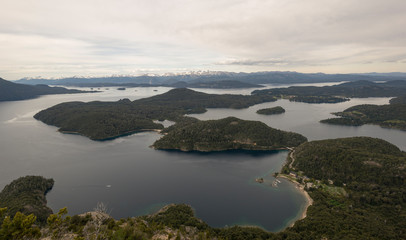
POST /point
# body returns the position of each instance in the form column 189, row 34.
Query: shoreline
column 309, row 200
column 113, row 137
column 300, row 187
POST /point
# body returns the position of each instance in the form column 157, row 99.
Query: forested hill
column 359, row 189
column 191, row 100
column 227, row 134
column 10, row 91
column 106, row 120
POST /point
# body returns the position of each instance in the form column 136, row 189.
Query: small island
column 227, row 134
column 271, row 111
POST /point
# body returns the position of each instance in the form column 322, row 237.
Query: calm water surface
column 133, row 179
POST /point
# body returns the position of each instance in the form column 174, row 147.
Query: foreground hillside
column 357, row 186
column 227, row 134
column 10, row 91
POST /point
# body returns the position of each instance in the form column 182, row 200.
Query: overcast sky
column 54, row 38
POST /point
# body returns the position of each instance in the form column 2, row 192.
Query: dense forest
column 10, row 91
column 271, row 111
column 391, row 115
column 398, row 100
column 357, row 186
column 361, row 194
column 106, row 120
column 27, row 195
column 337, row 93
column 227, row 134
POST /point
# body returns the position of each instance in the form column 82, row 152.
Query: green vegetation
column 176, row 215
column 27, row 195
column 107, row 120
column 18, row 227
column 318, row 99
column 271, row 111
column 10, row 91
column 398, row 100
column 227, row 134
column 389, row 116
column 337, row 93
column 372, row 174
column 100, row 121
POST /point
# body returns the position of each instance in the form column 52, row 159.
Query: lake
column 133, row 179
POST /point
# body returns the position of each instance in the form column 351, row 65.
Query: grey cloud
column 196, row 34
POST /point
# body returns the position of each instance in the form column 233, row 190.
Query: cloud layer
column 98, row 37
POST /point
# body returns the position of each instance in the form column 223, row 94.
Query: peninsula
column 391, row 115
column 27, row 195
column 337, row 93
column 10, row 91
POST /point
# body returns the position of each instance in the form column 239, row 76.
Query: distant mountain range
column 215, row 79
column 10, row 91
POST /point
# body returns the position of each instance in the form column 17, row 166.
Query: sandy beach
column 309, row 200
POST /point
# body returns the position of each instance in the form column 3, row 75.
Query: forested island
column 337, row 93
column 10, row 91
column 357, row 186
column 227, row 134
column 391, row 115
column 271, row 111
column 107, row 120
